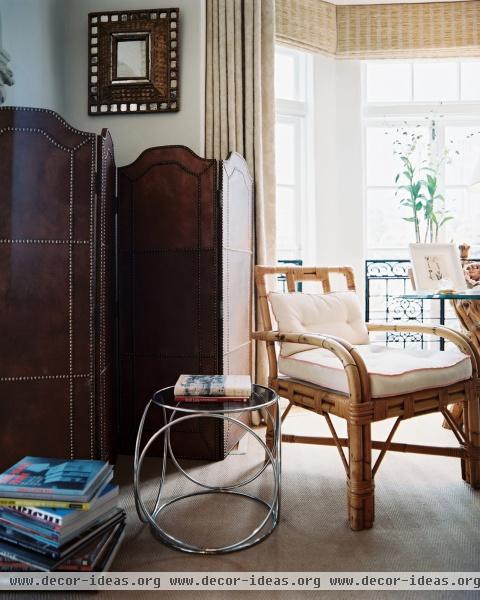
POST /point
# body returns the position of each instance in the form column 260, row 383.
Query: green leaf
column 409, row 219
column 416, row 188
column 445, row 220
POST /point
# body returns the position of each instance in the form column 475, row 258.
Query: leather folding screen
column 185, row 270
column 183, row 291
column 56, row 267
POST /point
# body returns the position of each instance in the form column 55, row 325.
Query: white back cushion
column 338, row 314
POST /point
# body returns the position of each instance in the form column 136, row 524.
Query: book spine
column 34, row 514
column 55, row 554
column 213, row 385
column 44, row 503
column 35, row 530
column 215, row 399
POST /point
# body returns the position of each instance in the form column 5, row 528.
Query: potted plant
column 418, row 186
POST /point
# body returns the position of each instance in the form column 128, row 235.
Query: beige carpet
column 427, row 518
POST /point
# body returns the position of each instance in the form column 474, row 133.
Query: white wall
column 351, row 249
column 325, row 145
column 339, row 165
column 31, row 34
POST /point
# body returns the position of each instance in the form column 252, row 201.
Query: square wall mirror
column 133, row 61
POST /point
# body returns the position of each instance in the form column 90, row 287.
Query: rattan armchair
column 357, row 405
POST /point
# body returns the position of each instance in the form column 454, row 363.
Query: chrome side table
column 176, row 412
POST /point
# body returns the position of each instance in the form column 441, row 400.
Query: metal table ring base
column 271, row 506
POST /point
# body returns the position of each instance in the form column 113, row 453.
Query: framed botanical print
column 133, row 61
column 437, row 266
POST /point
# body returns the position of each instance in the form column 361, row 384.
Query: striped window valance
column 383, row 30
column 308, row 24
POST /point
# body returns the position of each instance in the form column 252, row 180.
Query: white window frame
column 299, row 113
column 376, row 114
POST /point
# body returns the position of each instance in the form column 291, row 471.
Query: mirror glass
column 132, row 59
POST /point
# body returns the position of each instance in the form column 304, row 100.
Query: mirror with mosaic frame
column 133, row 61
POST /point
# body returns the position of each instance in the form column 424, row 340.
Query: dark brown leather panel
column 165, row 312
column 106, row 429
column 48, row 286
column 182, row 178
column 82, row 309
column 83, row 413
column 139, row 379
column 168, row 280
column 34, row 338
column 39, row 211
column 84, row 188
column 170, row 274
column 157, row 224
column 209, row 299
column 34, row 418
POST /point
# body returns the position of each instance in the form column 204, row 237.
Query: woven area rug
column 427, row 518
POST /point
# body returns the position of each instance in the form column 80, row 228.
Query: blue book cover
column 53, row 478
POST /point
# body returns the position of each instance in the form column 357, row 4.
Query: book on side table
column 36, row 533
column 213, row 388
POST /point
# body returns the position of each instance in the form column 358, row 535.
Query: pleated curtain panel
column 240, row 107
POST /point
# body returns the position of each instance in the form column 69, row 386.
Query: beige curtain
column 240, row 107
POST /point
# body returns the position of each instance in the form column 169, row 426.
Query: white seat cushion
column 338, row 314
column 392, row 370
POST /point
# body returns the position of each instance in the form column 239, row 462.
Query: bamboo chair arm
column 456, row 337
column 353, row 364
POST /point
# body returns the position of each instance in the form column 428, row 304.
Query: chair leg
column 471, row 424
column 269, row 438
column 361, row 498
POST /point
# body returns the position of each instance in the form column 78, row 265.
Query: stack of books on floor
column 213, row 388
column 59, row 515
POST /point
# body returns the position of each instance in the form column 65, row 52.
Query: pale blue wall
column 32, row 35
column 48, row 43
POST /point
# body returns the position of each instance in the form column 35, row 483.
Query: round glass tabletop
column 261, row 397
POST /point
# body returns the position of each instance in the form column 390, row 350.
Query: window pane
column 382, row 164
column 385, row 226
column 285, row 79
column 466, row 141
column 465, row 206
column 285, row 155
column 286, row 218
column 435, row 81
column 388, row 82
column 470, row 73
